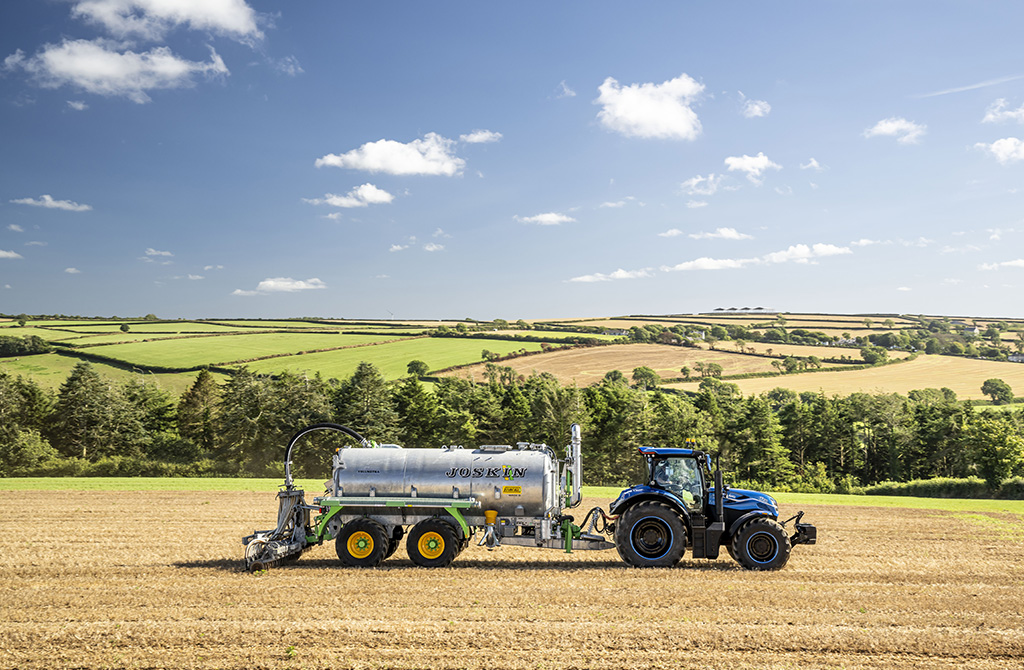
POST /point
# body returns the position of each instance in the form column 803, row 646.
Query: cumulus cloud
column 398, row 247
column 695, row 204
column 864, row 242
column 618, row 274
column 1007, row 150
column 812, row 164
column 905, row 132
column 432, row 155
column 660, row 111
column 153, row 252
column 672, row 232
column 99, row 67
column 361, row 196
column 15, row 228
column 480, row 137
column 73, row 271
column 77, row 105
column 703, row 185
column 431, row 246
column 48, row 202
column 1018, row 263
column 753, row 166
column 282, row 285
column 546, row 219
column 797, row 253
column 9, row 254
column 722, row 234
column 151, row 19
column 289, row 65
column 753, row 109
column 999, row 111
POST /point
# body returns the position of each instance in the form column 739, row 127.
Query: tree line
column 779, row 440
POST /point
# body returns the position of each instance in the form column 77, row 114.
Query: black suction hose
column 288, row 482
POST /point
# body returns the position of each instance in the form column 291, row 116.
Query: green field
column 198, row 351
column 393, row 358
column 314, row 486
column 50, row 371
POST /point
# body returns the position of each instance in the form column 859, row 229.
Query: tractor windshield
column 682, row 477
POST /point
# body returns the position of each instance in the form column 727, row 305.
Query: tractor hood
column 743, row 500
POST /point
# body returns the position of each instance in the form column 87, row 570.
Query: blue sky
column 224, row 158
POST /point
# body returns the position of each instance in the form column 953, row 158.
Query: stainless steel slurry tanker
column 439, row 499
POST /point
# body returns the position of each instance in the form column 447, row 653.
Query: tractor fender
column 742, row 520
column 639, row 494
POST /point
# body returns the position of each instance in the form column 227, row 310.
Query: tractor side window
column 681, row 476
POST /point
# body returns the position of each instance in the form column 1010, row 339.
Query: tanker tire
column 432, row 544
column 650, row 535
column 396, row 540
column 761, row 544
column 361, row 543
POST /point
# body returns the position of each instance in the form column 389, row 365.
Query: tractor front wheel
column 362, row 543
column 650, row 534
column 761, row 544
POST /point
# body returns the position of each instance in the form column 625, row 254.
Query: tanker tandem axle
column 439, row 499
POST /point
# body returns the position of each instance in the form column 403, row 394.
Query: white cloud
column 9, row 254
column 35, row 243
column 651, row 110
column 98, row 67
column 480, row 137
column 398, row 247
column 618, row 274
column 903, row 288
column 703, row 185
column 195, row 277
column 784, row 190
column 49, row 203
column 15, row 228
column 801, row 253
column 151, row 19
column 1006, row 150
column 207, row 268
column 361, row 196
column 798, row 253
column 864, row 242
column 998, row 112
column 695, row 204
column 564, row 91
column 73, row 271
column 613, row 205
column 674, row 232
column 546, row 219
column 432, row 155
column 153, row 252
column 440, row 233
column 722, row 234
column 1018, row 263
column 289, row 65
column 282, row 285
column 919, row 242
column 711, row 264
column 812, row 164
column 430, row 246
column 77, row 105
column 754, row 166
column 753, row 109
column 905, row 132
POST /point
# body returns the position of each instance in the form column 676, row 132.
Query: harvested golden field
column 588, row 366
column 153, row 580
column 964, row 375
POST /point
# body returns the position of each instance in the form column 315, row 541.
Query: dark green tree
column 197, row 411
column 363, row 402
column 998, row 390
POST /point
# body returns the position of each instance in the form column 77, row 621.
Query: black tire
column 761, row 544
column 361, row 543
column 396, row 540
column 432, row 544
column 650, row 535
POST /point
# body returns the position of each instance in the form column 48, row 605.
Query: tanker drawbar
column 439, row 500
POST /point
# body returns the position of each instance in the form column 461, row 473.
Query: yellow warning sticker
column 512, row 490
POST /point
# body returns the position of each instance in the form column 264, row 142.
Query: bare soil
column 154, row 580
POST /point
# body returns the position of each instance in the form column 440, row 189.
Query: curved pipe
column 288, row 482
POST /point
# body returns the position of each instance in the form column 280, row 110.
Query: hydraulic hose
column 288, row 481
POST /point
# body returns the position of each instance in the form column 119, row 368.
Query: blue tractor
column 679, row 507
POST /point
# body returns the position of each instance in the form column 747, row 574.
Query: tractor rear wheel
column 432, row 544
column 362, row 543
column 650, row 534
column 761, row 544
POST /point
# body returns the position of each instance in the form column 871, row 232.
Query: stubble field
column 153, row 579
